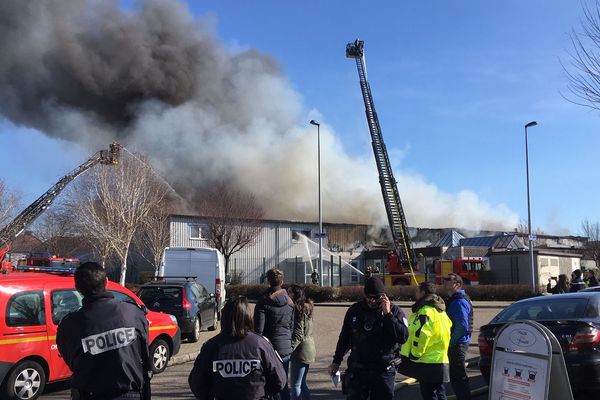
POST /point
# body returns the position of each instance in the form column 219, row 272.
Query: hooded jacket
column 425, row 353
column 274, row 319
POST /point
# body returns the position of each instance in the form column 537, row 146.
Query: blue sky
column 453, row 83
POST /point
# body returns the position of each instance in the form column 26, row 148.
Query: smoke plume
column 157, row 79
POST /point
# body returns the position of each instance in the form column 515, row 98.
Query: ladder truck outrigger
column 401, row 263
column 13, row 229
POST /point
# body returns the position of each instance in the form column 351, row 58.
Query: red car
column 32, row 303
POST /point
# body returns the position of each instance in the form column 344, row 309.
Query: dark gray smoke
column 158, row 80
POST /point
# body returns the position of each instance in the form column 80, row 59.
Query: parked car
column 190, row 302
column 591, row 289
column 32, row 303
column 574, row 318
column 203, row 264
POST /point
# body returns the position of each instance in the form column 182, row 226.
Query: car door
column 202, row 305
column 62, row 301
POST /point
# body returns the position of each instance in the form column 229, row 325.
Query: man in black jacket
column 105, row 343
column 374, row 329
column 274, row 319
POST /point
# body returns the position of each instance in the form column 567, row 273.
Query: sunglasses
column 374, row 297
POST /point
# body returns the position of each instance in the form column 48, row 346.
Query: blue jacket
column 459, row 309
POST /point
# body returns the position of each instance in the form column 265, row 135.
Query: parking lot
column 172, row 384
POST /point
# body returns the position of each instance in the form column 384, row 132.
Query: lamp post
column 313, row 122
column 531, row 237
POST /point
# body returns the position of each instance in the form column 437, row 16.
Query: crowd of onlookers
column 267, row 354
column 578, row 281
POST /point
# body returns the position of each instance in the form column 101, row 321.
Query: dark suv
column 193, row 306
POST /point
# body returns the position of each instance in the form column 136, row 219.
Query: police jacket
column 104, row 344
column 274, row 319
column 460, row 311
column 426, row 350
column 577, row 284
column 373, row 338
column 237, row 368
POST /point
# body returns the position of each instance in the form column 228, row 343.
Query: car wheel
column 194, row 335
column 159, row 351
column 215, row 322
column 25, row 382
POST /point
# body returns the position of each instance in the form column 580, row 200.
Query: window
column 63, row 303
column 354, row 273
column 548, row 309
column 167, row 296
column 26, row 309
column 122, row 297
column 196, row 232
column 298, row 236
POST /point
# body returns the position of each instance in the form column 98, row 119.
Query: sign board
column 526, row 358
column 532, row 238
column 320, row 234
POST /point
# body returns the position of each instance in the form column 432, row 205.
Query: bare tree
column 523, row 227
column 112, row 202
column 592, row 231
column 584, row 80
column 154, row 234
column 9, row 201
column 234, row 219
column 59, row 232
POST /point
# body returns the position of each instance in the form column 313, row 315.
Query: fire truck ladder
column 389, row 188
column 11, row 231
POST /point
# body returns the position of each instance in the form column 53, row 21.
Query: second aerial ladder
column 404, row 254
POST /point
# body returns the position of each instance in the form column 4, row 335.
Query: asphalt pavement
column 172, row 384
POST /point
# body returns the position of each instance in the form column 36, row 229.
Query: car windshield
column 547, row 308
column 164, row 295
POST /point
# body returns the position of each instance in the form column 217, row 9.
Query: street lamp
column 313, row 122
column 531, row 236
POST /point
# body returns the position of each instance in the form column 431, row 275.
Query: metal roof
column 450, row 239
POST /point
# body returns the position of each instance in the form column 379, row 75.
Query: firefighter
column 105, row 343
column 237, row 363
column 374, row 329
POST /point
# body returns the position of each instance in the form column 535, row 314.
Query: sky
column 454, row 83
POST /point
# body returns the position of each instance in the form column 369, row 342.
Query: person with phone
column 562, row 285
column 374, row 329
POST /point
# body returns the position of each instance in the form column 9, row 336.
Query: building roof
column 497, row 242
column 451, row 239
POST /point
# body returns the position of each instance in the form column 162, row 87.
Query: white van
column 206, row 265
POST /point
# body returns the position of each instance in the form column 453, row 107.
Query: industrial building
column 292, row 247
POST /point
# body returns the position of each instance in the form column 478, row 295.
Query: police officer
column 373, row 330
column 237, row 363
column 105, row 343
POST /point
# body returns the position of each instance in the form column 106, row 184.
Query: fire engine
column 54, row 262
column 402, row 262
column 469, row 269
column 33, row 300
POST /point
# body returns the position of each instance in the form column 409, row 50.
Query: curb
column 409, row 304
column 471, row 362
column 183, row 358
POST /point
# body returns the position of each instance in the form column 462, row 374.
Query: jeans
column 433, row 390
column 371, row 384
column 298, row 374
column 458, row 373
column 285, row 392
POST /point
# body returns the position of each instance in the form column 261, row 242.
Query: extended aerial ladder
column 11, row 231
column 391, row 198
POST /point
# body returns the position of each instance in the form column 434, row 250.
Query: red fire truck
column 469, row 269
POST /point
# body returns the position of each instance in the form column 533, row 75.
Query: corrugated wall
column 276, row 246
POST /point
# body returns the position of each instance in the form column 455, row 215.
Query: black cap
column 374, row 286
